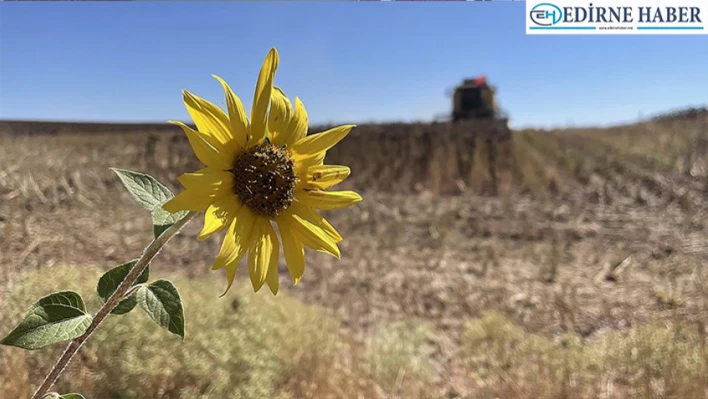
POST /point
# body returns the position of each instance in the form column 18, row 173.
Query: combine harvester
column 474, row 102
column 475, row 99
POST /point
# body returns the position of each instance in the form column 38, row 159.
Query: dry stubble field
column 585, row 276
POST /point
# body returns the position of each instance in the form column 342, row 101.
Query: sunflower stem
column 148, row 255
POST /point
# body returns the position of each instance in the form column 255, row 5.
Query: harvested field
column 580, row 233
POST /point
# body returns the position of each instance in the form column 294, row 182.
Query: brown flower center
column 265, row 179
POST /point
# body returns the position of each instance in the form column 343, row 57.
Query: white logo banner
column 623, row 17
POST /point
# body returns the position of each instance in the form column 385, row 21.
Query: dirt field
column 590, row 231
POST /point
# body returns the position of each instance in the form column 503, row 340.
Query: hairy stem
column 150, row 252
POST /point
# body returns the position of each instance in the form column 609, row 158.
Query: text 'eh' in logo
column 546, row 14
column 617, row 17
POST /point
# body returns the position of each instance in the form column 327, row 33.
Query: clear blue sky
column 348, row 62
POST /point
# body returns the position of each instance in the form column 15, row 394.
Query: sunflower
column 259, row 173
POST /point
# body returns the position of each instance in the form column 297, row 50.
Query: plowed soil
column 589, row 229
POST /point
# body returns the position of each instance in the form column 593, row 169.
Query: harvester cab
column 474, row 99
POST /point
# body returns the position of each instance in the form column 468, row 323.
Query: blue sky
column 348, row 62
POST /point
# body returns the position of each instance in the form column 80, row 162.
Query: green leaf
column 150, row 194
column 57, row 317
column 162, row 220
column 162, row 303
column 109, row 282
column 147, row 191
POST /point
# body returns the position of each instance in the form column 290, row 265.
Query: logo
column 546, row 14
column 631, row 17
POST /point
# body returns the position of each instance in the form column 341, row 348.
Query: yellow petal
column 297, row 126
column 331, row 231
column 260, row 253
column 325, row 176
column 328, row 200
column 311, row 215
column 210, row 182
column 320, row 142
column 261, row 97
column 204, row 150
column 273, row 276
column 231, row 270
column 311, row 235
column 293, row 250
column 302, row 163
column 212, row 121
column 188, row 200
column 202, row 188
column 219, row 215
column 279, row 116
column 237, row 239
column 238, row 120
